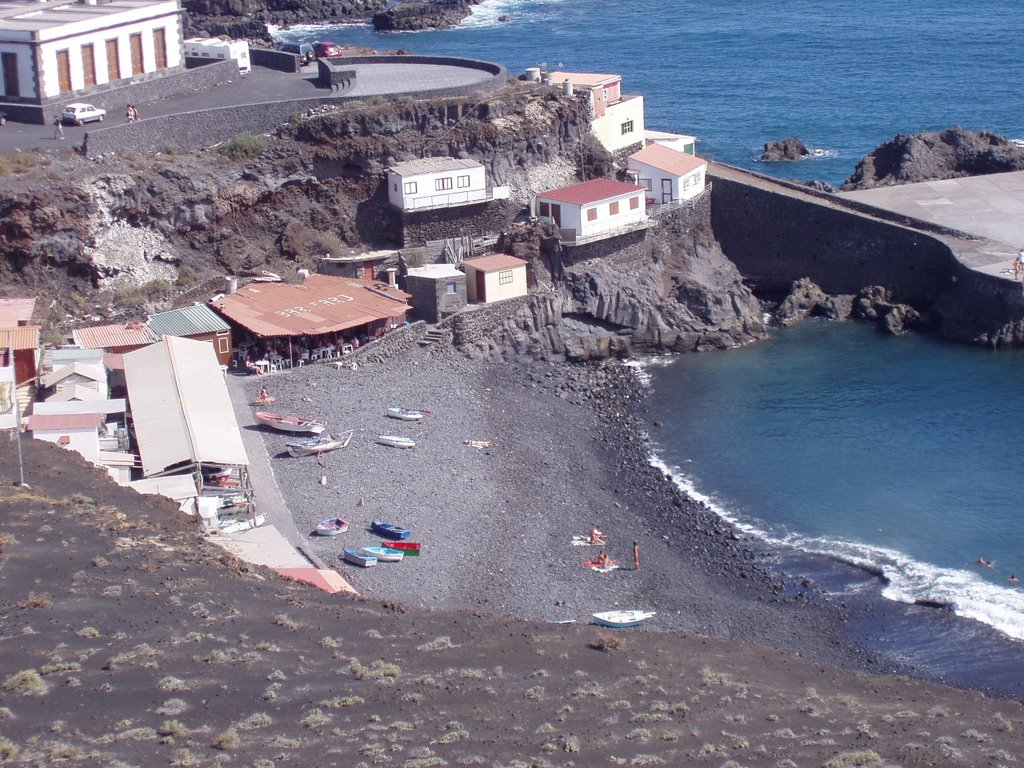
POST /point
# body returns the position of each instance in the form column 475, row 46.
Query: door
column 556, row 214
column 481, row 286
column 160, row 48
column 89, row 65
column 135, row 43
column 666, row 190
column 10, row 65
column 113, row 61
column 64, row 71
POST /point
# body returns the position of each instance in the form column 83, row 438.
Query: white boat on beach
column 622, row 619
column 397, row 441
column 314, row 446
column 407, row 414
column 287, row 423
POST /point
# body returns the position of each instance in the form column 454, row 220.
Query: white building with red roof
column 593, row 210
column 496, row 277
column 667, row 175
column 618, row 121
column 78, row 432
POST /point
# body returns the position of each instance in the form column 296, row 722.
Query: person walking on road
column 58, row 128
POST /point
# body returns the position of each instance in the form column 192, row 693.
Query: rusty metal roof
column 57, row 421
column 22, row 337
column 494, row 263
column 115, row 335
column 16, row 311
column 322, row 304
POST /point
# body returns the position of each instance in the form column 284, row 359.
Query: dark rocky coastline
column 416, row 15
column 786, row 149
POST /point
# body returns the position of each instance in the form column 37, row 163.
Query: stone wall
column 476, row 327
column 430, row 298
column 419, row 227
column 276, row 60
column 632, row 246
column 775, row 238
column 194, row 130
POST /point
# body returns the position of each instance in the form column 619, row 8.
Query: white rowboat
column 397, row 441
column 407, row 414
column 314, row 446
column 287, row 423
column 622, row 619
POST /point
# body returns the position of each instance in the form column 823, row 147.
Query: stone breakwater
column 568, row 451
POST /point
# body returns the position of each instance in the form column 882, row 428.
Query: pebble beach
column 568, row 452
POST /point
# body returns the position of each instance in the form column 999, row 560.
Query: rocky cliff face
column 249, row 18
column 927, row 156
column 414, row 15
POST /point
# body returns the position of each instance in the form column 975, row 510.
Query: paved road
column 259, row 86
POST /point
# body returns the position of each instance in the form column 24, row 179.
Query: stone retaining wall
column 478, row 324
column 477, row 219
column 195, row 130
column 276, row 60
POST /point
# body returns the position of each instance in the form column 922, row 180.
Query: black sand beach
column 496, row 524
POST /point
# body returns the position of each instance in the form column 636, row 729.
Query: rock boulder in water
column 929, row 156
column 787, row 149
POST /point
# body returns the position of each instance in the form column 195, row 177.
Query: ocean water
column 843, row 75
column 899, row 456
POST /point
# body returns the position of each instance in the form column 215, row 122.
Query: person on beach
column 264, row 397
column 597, row 537
column 636, row 556
column 58, row 128
column 603, row 561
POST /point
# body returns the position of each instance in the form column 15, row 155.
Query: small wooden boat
column 389, row 531
column 410, row 548
column 355, row 557
column 384, row 554
column 407, row 414
column 397, row 441
column 287, row 423
column 332, row 527
column 622, row 619
column 314, row 446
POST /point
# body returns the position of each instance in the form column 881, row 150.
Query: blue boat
column 389, row 531
column 384, row 554
column 356, row 557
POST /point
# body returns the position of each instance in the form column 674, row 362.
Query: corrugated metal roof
column 94, row 371
column 22, row 337
column 494, row 263
column 70, row 354
column 114, row 335
column 180, row 406
column 432, row 165
column 58, row 421
column 322, row 304
column 593, row 191
column 16, row 311
column 187, row 321
column 669, row 160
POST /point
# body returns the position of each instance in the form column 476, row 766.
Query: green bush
column 242, row 147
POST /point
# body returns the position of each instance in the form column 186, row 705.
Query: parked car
column 327, row 50
column 303, row 50
column 79, row 114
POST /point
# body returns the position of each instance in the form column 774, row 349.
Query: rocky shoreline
column 569, row 451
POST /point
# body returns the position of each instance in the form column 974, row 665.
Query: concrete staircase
column 434, row 336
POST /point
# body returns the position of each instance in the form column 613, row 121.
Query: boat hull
column 286, row 423
column 405, row 414
column 383, row 554
column 622, row 619
column 396, row 441
column 356, row 558
column 389, row 531
column 334, row 527
column 410, row 548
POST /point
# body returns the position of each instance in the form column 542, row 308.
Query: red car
column 327, row 50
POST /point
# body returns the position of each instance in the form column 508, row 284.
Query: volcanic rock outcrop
column 787, row 149
column 415, row 15
column 928, row 156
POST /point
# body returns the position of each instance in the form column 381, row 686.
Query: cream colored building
column 493, row 278
column 68, row 48
column 618, row 121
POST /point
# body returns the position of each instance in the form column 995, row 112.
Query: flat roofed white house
column 593, row 210
column 215, row 49
column 437, row 182
column 618, row 121
column 60, row 48
column 667, row 175
column 680, row 142
column 494, row 278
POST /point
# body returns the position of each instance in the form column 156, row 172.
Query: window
column 544, row 209
column 445, row 182
column 647, row 184
column 591, row 214
column 689, row 181
column 634, row 203
column 451, row 288
column 505, row 277
column 604, row 94
column 613, row 208
column 627, row 127
column 463, row 182
column 410, row 187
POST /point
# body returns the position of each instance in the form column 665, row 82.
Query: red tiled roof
column 494, row 263
column 115, row 335
column 590, row 192
column 322, row 304
column 56, row 421
column 22, row 337
column 16, row 311
column 665, row 159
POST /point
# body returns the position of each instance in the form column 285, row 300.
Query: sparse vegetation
column 244, row 146
column 28, row 682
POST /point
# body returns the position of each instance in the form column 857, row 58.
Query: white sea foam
column 818, row 153
column 640, row 367
column 906, row 580
column 309, row 32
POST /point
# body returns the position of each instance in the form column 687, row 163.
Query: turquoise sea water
column 901, row 455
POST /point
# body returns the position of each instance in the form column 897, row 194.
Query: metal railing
column 448, row 199
column 572, row 237
column 658, row 209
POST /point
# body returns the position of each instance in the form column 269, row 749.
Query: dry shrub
column 608, row 643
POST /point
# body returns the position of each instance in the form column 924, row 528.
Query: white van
column 214, row 48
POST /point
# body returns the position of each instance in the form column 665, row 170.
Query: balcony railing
column 572, row 237
column 451, row 199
